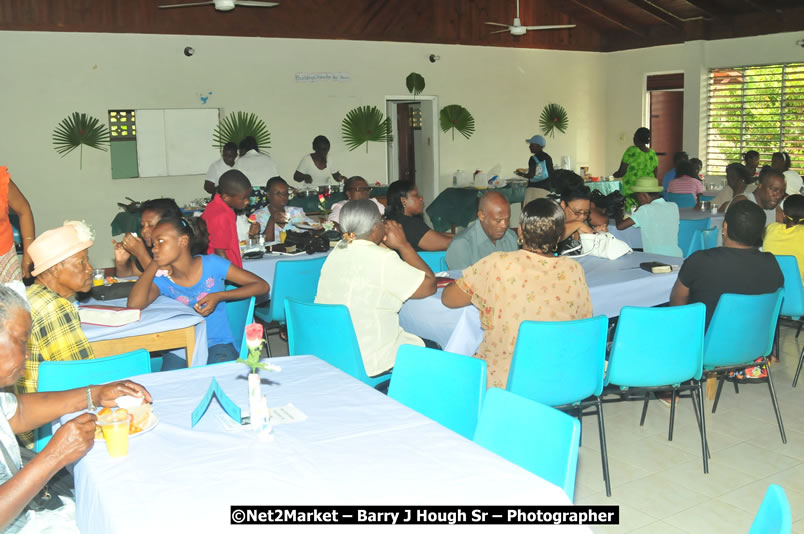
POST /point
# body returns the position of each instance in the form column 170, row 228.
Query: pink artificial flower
column 254, row 335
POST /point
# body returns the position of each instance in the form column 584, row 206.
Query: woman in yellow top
column 531, row 284
column 787, row 239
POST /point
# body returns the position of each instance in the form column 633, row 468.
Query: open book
column 102, row 315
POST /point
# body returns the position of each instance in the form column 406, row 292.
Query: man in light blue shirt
column 489, row 233
column 657, row 220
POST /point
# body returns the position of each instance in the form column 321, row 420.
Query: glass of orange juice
column 115, row 428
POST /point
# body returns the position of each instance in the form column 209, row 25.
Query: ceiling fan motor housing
column 224, row 5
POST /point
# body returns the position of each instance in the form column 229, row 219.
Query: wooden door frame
column 434, row 133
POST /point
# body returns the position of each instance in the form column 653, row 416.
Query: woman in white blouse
column 315, row 168
column 365, row 274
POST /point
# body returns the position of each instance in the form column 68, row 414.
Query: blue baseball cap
column 538, row 140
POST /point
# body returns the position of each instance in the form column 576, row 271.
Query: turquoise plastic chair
column 686, row 233
column 793, row 302
column 774, row 515
column 240, row 314
column 326, row 331
column 645, row 358
column 702, row 240
column 60, row 376
column 436, row 260
column 296, row 279
column 684, row 200
column 741, row 330
column 446, row 387
column 541, row 439
column 568, row 376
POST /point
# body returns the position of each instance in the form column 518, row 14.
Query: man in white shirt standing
column 258, row 167
column 216, row 170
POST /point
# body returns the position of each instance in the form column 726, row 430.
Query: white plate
column 152, row 422
column 309, row 226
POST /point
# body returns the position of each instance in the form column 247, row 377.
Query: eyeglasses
column 581, row 213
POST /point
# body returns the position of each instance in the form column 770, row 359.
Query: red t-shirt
column 220, row 219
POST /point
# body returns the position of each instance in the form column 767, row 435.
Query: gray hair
column 11, row 301
column 358, row 217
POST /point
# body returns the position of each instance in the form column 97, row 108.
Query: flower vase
column 258, row 408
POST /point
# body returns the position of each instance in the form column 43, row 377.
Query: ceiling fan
column 518, row 29
column 225, row 5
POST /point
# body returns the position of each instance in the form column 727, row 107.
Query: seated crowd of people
column 510, row 275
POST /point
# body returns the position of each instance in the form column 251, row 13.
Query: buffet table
column 356, row 447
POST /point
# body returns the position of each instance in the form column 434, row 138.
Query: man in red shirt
column 234, row 190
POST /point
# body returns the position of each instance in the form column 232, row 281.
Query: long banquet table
column 612, row 285
column 157, row 329
column 356, row 447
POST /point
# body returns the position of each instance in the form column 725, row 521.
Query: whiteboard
column 175, row 142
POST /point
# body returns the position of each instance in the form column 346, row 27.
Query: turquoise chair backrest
column 60, row 376
column 702, row 240
column 793, row 302
column 541, row 439
column 657, row 346
column 326, row 331
column 686, row 233
column 435, row 259
column 240, row 314
column 684, row 200
column 446, row 387
column 742, row 328
column 559, row 363
column 774, row 515
column 296, row 279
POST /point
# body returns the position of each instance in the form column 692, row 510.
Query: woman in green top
column 639, row 161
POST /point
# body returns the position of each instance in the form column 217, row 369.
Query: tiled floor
column 660, row 485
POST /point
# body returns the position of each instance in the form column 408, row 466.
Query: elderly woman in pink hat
column 61, row 268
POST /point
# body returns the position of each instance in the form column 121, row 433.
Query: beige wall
column 627, row 72
column 49, row 75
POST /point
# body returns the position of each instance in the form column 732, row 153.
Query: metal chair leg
column 580, row 420
column 775, row 403
column 736, row 387
column 698, row 415
column 704, row 441
column 604, row 455
column 672, row 414
column 798, row 369
column 644, row 408
column 720, row 381
column 800, row 324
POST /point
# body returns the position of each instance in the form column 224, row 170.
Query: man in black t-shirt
column 736, row 267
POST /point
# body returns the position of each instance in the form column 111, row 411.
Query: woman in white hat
column 657, row 220
column 540, row 170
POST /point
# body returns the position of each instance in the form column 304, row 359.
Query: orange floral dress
column 511, row 287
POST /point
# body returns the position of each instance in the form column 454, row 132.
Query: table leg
column 189, row 340
column 711, row 386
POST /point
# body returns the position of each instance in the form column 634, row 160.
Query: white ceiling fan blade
column 497, row 24
column 555, row 27
column 187, row 5
column 501, row 31
column 255, row 3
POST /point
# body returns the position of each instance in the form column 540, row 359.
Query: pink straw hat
column 56, row 245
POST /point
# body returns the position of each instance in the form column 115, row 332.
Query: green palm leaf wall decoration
column 456, row 117
column 553, row 117
column 77, row 130
column 364, row 124
column 415, row 83
column 238, row 125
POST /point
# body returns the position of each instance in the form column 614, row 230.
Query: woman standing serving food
column 315, row 168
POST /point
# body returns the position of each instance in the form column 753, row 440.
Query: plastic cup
column 98, row 277
column 115, row 433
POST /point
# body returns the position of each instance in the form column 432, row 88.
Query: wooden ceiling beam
column 708, row 7
column 608, row 18
column 664, row 16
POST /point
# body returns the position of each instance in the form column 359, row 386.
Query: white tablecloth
column 357, row 447
column 265, row 267
column 162, row 315
column 633, row 236
column 612, row 285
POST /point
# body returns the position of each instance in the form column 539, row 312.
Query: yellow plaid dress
column 56, row 335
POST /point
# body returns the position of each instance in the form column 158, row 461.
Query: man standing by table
column 489, row 233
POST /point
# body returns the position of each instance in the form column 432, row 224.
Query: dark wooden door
column 407, row 165
column 666, row 126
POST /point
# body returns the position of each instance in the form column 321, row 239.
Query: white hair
column 12, row 300
column 358, row 217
